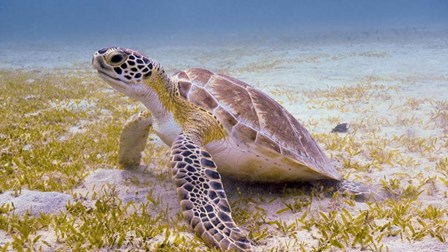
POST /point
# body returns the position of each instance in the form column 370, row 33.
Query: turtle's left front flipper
column 202, row 197
column 133, row 139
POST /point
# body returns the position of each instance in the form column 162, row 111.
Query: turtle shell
column 252, row 117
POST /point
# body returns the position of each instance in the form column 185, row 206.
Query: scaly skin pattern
column 202, row 197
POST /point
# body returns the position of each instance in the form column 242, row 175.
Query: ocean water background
column 177, row 21
column 63, row 34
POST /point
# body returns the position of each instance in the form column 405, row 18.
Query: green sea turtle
column 216, row 125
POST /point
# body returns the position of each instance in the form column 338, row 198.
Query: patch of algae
column 56, row 127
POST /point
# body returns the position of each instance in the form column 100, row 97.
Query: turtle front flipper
column 202, row 197
column 133, row 139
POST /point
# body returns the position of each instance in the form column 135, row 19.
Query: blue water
column 177, row 19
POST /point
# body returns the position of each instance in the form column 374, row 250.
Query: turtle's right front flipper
column 202, row 197
column 133, row 139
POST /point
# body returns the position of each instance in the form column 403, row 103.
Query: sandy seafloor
column 411, row 68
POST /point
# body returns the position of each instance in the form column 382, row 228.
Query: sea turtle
column 216, row 125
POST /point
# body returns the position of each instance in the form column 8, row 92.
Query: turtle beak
column 97, row 61
column 99, row 64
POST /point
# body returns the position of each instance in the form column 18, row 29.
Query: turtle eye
column 116, row 58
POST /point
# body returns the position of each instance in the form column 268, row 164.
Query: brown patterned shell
column 249, row 114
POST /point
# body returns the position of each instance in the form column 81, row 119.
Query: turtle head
column 125, row 70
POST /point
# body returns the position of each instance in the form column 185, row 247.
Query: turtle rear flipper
column 202, row 197
column 361, row 191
